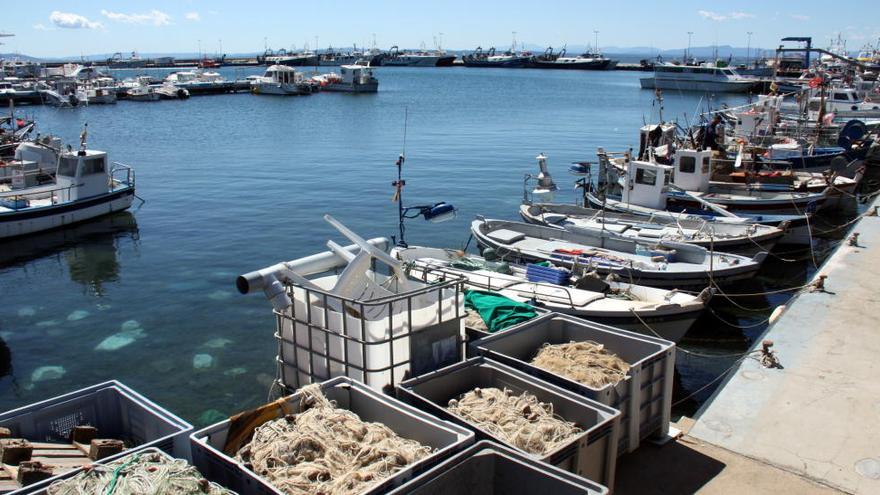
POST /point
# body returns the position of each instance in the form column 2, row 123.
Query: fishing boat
column 198, row 81
column 669, row 312
column 509, row 59
column 658, row 264
column 372, row 57
column 291, row 59
column 745, row 238
column 650, row 193
column 13, row 131
column 707, row 78
column 351, row 79
column 86, row 186
column 34, row 162
column 419, row 58
column 280, row 80
column 584, row 61
column 142, row 92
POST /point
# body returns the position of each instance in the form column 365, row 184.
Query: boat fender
column 776, row 313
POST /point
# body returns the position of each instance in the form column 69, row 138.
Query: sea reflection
column 89, row 250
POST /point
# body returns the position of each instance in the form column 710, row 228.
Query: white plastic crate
column 117, row 412
column 644, row 398
column 444, row 437
column 376, row 341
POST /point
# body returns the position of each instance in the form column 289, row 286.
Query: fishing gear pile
column 326, row 450
column 586, row 362
column 519, row 420
column 144, row 473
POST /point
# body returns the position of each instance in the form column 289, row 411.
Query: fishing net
column 138, row 474
column 474, row 320
column 584, row 362
column 326, row 450
column 519, row 420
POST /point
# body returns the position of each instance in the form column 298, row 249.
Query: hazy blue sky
column 63, row 28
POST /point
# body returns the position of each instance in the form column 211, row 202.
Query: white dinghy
column 740, row 238
column 661, row 264
column 670, row 313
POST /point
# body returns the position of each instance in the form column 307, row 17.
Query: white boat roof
column 280, row 68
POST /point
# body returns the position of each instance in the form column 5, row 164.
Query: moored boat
column 745, row 238
column 660, row 264
column 86, row 186
column 670, row 313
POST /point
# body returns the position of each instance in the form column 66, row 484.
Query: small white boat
column 142, row 92
column 696, row 78
column 280, row 80
column 101, row 91
column 660, row 264
column 86, row 186
column 746, row 239
column 351, row 79
column 170, row 92
column 670, row 313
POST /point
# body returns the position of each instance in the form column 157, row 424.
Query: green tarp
column 497, row 311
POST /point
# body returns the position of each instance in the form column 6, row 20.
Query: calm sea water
column 232, row 183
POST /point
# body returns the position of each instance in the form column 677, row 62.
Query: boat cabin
column 692, row 170
column 281, row 74
column 646, row 184
column 655, row 136
column 759, row 119
column 355, row 74
column 82, row 174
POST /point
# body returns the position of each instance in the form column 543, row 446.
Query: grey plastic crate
column 114, row 409
column 592, row 454
column 370, row 405
column 151, row 450
column 488, row 468
column 644, row 398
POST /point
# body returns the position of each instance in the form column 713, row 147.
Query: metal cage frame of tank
column 416, row 362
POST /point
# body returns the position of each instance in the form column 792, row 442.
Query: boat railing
column 11, row 199
column 118, row 170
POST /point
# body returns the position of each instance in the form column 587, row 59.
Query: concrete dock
column 808, row 427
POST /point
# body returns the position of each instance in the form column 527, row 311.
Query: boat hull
column 604, row 64
column 352, row 88
column 32, row 220
column 683, row 85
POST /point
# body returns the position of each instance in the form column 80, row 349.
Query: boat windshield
column 67, row 166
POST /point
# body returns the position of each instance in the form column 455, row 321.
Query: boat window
column 814, row 106
column 687, row 164
column 93, row 166
column 67, row 167
column 705, row 167
column 841, row 96
column 645, row 176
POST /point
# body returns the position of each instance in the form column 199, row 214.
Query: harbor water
column 232, row 183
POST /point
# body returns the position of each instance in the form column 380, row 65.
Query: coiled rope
column 326, row 450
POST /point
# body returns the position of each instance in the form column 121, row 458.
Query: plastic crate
column 488, row 468
column 592, row 454
column 378, row 341
column 644, row 398
column 151, row 450
column 370, row 405
column 115, row 410
column 547, row 274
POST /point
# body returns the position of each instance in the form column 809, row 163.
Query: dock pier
column 809, row 426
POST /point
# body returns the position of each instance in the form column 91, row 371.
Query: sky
column 83, row 27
